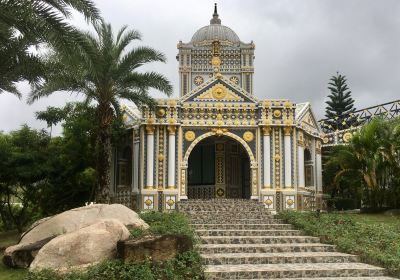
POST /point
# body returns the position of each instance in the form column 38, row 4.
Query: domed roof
column 215, row 31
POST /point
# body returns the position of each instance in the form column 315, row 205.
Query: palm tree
column 373, row 154
column 24, row 23
column 105, row 72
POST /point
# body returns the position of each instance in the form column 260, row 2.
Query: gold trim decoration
column 215, row 61
column 290, row 202
column 161, row 112
column 171, row 129
column 325, row 140
column 277, row 113
column 234, row 80
column 220, row 192
column 277, row 157
column 150, row 129
column 347, row 137
column 248, row 136
column 148, row 202
column 219, row 92
column 287, row 130
column 268, row 202
column 190, row 135
column 170, row 202
column 198, row 80
column 219, row 131
column 266, row 130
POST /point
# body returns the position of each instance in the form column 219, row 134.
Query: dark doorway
column 234, row 172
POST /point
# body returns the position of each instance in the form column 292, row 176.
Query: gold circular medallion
column 234, row 80
column 220, row 192
column 161, row 113
column 170, row 202
column 326, row 140
column 216, row 61
column 290, row 202
column 198, row 80
column 248, row 136
column 148, row 202
column 268, row 202
column 190, row 136
column 219, row 92
column 219, row 147
column 277, row 113
column 347, row 137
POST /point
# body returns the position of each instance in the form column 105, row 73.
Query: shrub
column 376, row 243
column 185, row 266
column 340, row 203
column 165, row 223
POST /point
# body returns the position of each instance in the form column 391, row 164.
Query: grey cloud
column 300, row 44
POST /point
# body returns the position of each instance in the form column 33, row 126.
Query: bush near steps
column 376, row 243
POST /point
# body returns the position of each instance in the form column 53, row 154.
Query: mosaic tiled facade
column 265, row 150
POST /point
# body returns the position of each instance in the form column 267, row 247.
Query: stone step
column 267, row 271
column 241, row 226
column 248, row 232
column 257, row 239
column 215, row 220
column 264, row 248
column 277, row 258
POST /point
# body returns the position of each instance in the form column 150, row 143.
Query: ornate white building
column 217, row 140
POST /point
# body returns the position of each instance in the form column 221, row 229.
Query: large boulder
column 74, row 219
column 21, row 255
column 83, row 247
column 157, row 248
column 42, row 231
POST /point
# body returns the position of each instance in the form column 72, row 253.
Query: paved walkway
column 240, row 240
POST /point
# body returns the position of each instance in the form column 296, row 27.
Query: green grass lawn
column 6, row 273
column 375, row 237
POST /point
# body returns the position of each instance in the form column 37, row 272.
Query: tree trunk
column 103, row 164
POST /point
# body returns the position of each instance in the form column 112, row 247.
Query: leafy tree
column 24, row 23
column 340, row 105
column 23, row 155
column 52, row 116
column 104, row 73
column 373, row 156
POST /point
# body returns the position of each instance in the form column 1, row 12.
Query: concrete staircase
column 239, row 239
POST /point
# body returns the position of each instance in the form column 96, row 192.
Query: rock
column 392, row 212
column 74, row 219
column 85, row 246
column 158, row 248
column 21, row 255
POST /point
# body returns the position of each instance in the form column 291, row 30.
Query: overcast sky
column 300, row 44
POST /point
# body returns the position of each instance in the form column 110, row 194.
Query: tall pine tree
column 340, row 106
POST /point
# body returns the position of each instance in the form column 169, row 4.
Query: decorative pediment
column 305, row 117
column 218, row 92
column 218, row 89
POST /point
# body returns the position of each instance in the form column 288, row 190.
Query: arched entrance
column 218, row 166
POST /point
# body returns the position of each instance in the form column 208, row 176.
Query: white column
column 150, row 156
column 288, row 158
column 300, row 164
column 171, row 156
column 135, row 173
column 267, row 156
